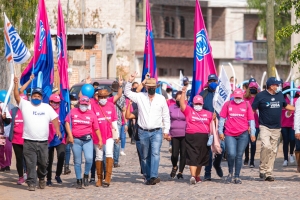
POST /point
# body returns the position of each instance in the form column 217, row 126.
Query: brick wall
column 251, row 22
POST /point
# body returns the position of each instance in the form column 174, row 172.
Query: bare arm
column 56, row 126
column 290, row 108
column 182, row 100
column 128, row 114
column 16, row 92
column 140, row 87
column 26, row 84
column 120, row 90
column 69, row 132
column 99, row 138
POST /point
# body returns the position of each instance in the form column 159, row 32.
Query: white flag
column 180, row 78
column 223, row 91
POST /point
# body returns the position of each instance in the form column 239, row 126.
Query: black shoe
column 79, row 184
column 42, row 183
column 261, row 175
column 228, row 179
column 173, row 172
column 116, row 165
column 237, row 181
column 246, row 162
column 179, row 176
column 67, row 170
column 218, row 170
column 269, row 178
column 153, row 181
column 86, row 180
column 58, row 179
column 7, row 169
column 92, row 181
column 49, row 183
column 207, row 177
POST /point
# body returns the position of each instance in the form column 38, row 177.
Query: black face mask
column 253, row 91
column 178, row 103
column 151, row 91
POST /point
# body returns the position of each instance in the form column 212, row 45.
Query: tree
column 282, row 19
column 22, row 15
column 286, row 32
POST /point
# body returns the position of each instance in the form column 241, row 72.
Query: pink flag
column 62, row 55
column 149, row 52
column 203, row 60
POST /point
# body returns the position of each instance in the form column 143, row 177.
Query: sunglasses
column 85, row 99
column 52, row 102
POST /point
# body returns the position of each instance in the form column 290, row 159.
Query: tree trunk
column 4, row 74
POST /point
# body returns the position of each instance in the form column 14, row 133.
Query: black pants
column 178, row 145
column 61, row 151
column 36, row 154
column 18, row 149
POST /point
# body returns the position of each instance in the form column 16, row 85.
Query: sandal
column 173, row 172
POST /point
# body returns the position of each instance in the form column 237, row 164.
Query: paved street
column 127, row 183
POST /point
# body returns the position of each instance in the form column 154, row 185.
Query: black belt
column 36, row 141
column 149, row 130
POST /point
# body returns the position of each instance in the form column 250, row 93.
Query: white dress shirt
column 151, row 114
column 297, row 116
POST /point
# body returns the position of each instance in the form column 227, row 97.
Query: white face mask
column 238, row 101
column 279, row 89
column 198, row 107
column 103, row 101
column 74, row 102
column 83, row 108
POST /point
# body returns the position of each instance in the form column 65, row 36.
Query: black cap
column 37, row 91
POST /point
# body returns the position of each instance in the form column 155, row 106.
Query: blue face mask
column 36, row 102
column 213, row 85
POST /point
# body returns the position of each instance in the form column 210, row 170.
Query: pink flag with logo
column 203, row 60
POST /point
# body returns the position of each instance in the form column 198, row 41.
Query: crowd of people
column 199, row 136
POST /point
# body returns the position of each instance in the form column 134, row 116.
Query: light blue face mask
column 279, row 89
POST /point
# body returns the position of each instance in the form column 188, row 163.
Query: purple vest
column 178, row 121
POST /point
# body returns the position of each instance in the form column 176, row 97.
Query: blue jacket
column 208, row 101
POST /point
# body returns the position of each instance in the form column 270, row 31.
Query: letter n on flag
column 203, row 60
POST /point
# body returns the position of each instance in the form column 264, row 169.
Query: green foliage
column 288, row 30
column 281, row 19
column 21, row 14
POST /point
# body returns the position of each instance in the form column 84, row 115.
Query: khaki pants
column 269, row 145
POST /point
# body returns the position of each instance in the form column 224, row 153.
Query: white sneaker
column 292, row 158
column 25, row 176
column 285, row 163
column 192, row 181
column 122, row 153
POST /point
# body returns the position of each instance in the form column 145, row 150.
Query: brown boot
column 109, row 166
column 99, row 167
column 297, row 155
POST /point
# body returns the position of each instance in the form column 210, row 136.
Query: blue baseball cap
column 37, row 91
column 273, row 81
column 185, row 79
column 212, row 77
column 174, row 92
column 252, row 80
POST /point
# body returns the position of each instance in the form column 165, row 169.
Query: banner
column 203, row 60
column 223, row 91
column 149, row 64
column 43, row 54
column 244, row 50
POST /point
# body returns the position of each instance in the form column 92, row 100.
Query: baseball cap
column 174, row 92
column 212, row 77
column 198, row 99
column 273, row 81
column 84, row 100
column 238, row 93
column 253, row 85
column 185, row 79
column 37, row 91
column 286, row 84
column 54, row 98
column 252, row 80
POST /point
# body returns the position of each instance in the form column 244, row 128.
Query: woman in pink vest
column 237, row 116
column 198, row 122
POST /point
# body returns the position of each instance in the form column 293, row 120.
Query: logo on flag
column 60, row 47
column 42, row 34
column 202, row 47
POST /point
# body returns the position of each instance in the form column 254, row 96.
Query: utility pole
column 82, row 15
column 270, row 39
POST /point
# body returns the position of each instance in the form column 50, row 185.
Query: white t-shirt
column 36, row 120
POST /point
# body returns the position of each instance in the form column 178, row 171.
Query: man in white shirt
column 153, row 111
column 36, row 116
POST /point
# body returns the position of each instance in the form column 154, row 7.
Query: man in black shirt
column 269, row 103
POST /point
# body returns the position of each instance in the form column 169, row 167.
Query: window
column 182, row 27
column 139, row 15
column 162, row 72
column 167, row 27
column 172, row 26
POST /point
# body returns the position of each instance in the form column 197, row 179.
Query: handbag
column 114, row 131
column 216, row 145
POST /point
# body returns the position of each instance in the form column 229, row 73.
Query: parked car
column 105, row 83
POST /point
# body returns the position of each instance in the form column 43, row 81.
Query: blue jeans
column 68, row 154
column 87, row 148
column 123, row 137
column 117, row 147
column 297, row 142
column 139, row 151
column 288, row 137
column 150, row 146
column 235, row 147
column 217, row 161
